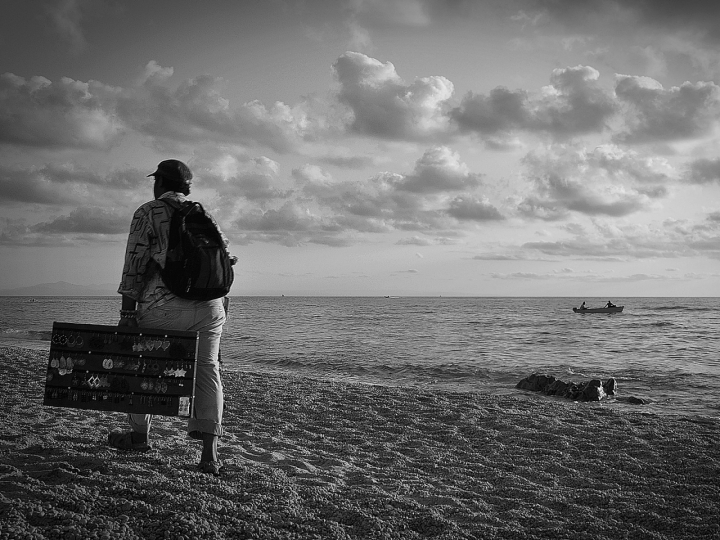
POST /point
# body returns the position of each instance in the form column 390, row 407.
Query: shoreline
column 625, row 400
column 306, row 458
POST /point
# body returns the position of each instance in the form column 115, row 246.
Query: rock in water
column 610, row 386
column 593, row 390
column 536, row 383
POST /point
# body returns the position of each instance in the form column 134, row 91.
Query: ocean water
column 666, row 350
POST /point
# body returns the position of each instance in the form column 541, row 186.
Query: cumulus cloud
column 154, row 73
column 502, row 110
column 311, row 174
column 573, row 104
column 624, row 164
column 240, row 179
column 415, row 201
column 254, row 186
column 439, row 196
column 659, row 114
column 66, row 114
column 81, row 225
column 37, row 112
column 198, row 111
column 375, row 205
column 291, row 224
column 58, row 183
column 86, row 220
column 387, row 201
column 606, row 181
column 471, row 208
column 439, row 170
column 383, row 105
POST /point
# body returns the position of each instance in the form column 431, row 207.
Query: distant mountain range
column 63, row 288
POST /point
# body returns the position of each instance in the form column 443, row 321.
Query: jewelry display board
column 118, row 368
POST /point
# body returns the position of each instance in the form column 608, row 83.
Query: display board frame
column 122, row 369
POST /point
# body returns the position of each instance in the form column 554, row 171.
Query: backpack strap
column 172, row 203
column 183, row 206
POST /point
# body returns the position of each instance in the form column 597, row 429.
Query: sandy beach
column 305, row 458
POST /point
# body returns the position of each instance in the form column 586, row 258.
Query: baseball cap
column 174, row 170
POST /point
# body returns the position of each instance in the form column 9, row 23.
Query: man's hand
column 132, row 323
column 128, row 313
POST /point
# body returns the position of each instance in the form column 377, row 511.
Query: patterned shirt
column 147, row 249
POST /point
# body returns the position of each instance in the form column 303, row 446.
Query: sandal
column 211, row 467
column 123, row 441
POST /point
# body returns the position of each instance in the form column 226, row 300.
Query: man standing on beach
column 147, row 302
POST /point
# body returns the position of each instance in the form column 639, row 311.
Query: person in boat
column 610, row 304
column 583, row 306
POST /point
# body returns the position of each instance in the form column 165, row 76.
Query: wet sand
column 305, row 458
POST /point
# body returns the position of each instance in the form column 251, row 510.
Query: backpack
column 197, row 267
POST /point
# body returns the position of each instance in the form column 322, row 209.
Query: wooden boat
column 616, row 309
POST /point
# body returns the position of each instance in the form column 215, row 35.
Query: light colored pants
column 208, row 318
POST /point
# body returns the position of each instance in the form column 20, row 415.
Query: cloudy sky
column 372, row 147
